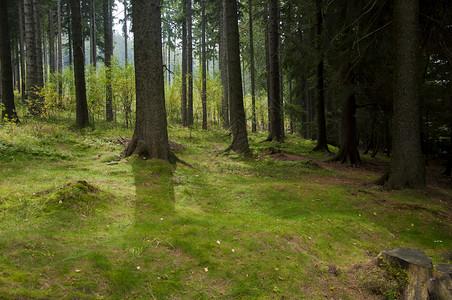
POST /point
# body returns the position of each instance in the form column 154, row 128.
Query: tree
column 7, row 95
column 126, row 36
column 239, row 134
column 276, row 130
column 222, row 57
column 51, row 41
column 108, row 36
column 184, row 112
column 252, row 69
column 189, row 63
column 406, row 168
column 82, row 119
column 204, row 70
column 33, row 85
column 92, row 32
column 150, row 138
column 22, row 49
column 322, row 144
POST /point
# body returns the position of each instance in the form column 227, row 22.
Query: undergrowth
column 80, row 221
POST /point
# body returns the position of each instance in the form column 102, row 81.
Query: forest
column 224, row 148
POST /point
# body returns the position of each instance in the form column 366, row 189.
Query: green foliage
column 123, row 84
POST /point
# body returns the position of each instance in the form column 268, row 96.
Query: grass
column 79, row 222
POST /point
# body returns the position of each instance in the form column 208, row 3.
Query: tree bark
column 252, row 71
column 190, row 63
column 204, row 69
column 108, row 36
column 81, row 108
column 38, row 41
column 406, row 169
column 60, row 52
column 348, row 152
column 150, row 138
column 184, row 66
column 93, row 48
column 239, row 134
column 276, row 131
column 51, row 42
column 7, row 94
column 322, row 144
column 22, row 50
column 126, row 35
column 224, row 70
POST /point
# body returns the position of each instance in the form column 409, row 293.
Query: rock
column 440, row 287
column 418, row 267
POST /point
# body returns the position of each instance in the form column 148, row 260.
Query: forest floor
column 79, row 221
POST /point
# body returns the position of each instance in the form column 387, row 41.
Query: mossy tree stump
column 418, row 267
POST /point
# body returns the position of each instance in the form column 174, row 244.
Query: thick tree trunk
column 81, row 108
column 33, row 86
column 252, row 71
column 239, row 134
column 150, row 138
column 406, row 168
column 7, row 94
column 348, row 152
column 204, row 69
column 108, row 36
column 322, row 144
column 184, row 113
column 276, row 131
column 222, row 57
column 190, row 63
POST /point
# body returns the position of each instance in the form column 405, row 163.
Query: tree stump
column 418, row 267
column 440, row 287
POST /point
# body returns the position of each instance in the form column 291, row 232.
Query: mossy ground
column 78, row 222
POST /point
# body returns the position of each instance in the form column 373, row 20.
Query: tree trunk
column 204, row 70
column 33, row 86
column 406, row 168
column 60, row 52
column 38, row 41
column 190, row 63
column 150, row 138
column 7, row 94
column 239, row 134
column 44, row 56
column 322, row 144
column 126, row 35
column 222, row 57
column 276, row 131
column 108, row 36
column 93, row 48
column 51, row 43
column 79, row 66
column 252, row 71
column 22, row 50
column 184, row 66
column 348, row 151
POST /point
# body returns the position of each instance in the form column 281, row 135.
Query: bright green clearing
column 79, row 222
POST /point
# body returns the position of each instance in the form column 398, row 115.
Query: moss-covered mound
column 79, row 197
